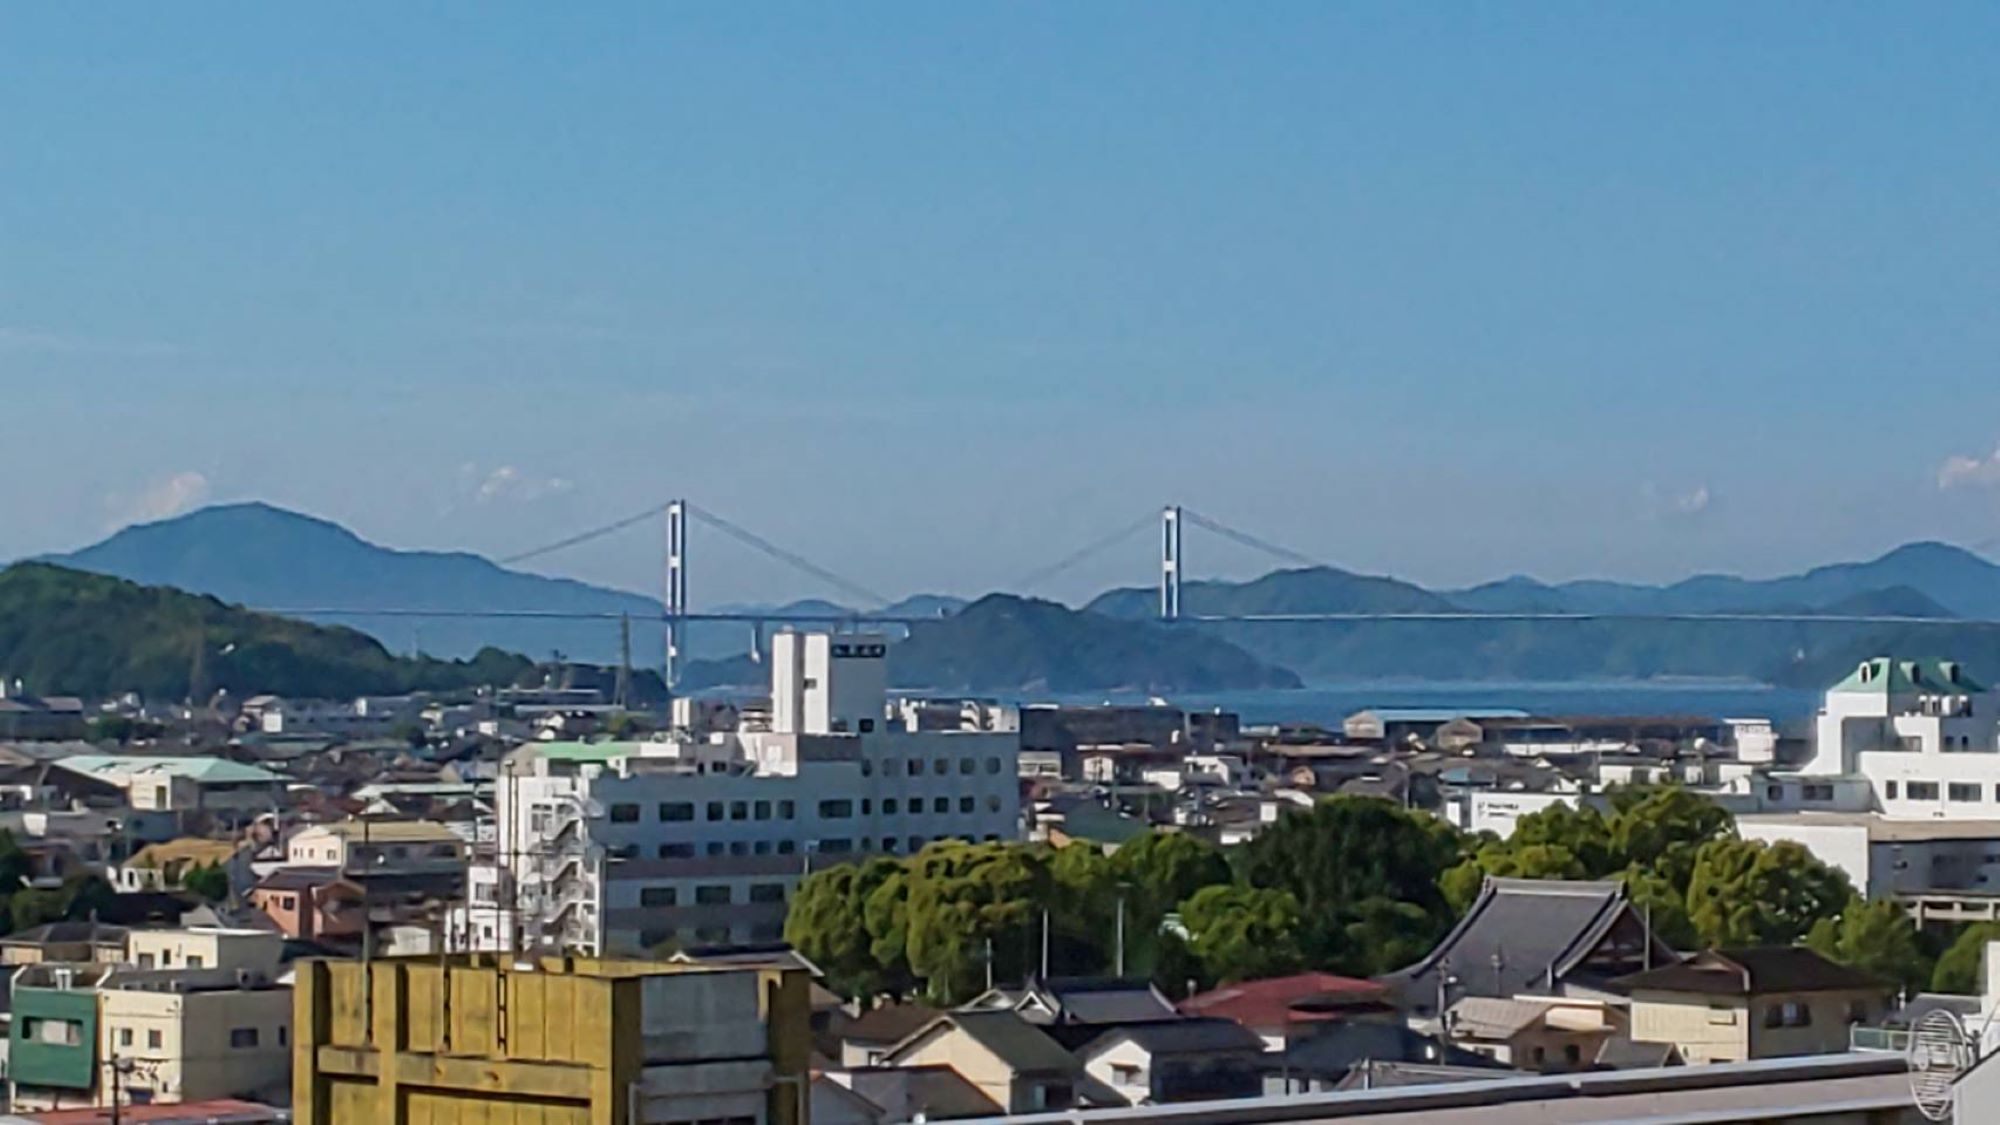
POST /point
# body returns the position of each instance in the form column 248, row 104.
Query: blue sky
column 935, row 292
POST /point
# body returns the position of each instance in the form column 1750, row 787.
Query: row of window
column 238, row 1037
column 939, row 766
column 835, row 809
column 1966, row 792
column 835, row 846
column 711, row 894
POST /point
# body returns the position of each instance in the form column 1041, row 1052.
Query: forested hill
column 66, row 632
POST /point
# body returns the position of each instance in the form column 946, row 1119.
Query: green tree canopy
column 209, row 880
column 1874, row 937
column 1243, row 933
column 963, row 896
column 828, row 922
column 1748, row 892
column 1959, row 968
column 1345, row 862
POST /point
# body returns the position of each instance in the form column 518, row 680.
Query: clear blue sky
column 935, row 292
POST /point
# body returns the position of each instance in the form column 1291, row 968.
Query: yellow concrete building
column 490, row 1038
column 1735, row 1005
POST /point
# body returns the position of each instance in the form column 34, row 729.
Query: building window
column 916, row 844
column 867, row 806
column 993, row 803
column 992, row 765
column 124, row 1037
column 712, row 894
column 194, row 961
column 715, row 810
column 1889, row 790
column 966, row 804
column 787, row 810
column 761, row 810
column 761, row 847
column 282, row 1037
column 1857, row 1011
column 767, row 892
column 1818, row 791
column 739, row 847
column 916, row 767
column 939, row 766
column 676, row 810
column 889, row 806
column 620, row 814
column 154, row 1040
column 966, row 766
column 1774, row 792
column 676, row 851
column 941, row 805
column 836, row 847
column 889, row 844
column 658, row 896
column 1923, row 791
column 865, row 726
column 715, row 847
column 787, row 847
column 836, row 809
column 739, row 810
column 243, row 1037
column 1962, row 791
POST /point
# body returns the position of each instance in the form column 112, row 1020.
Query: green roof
column 587, row 751
column 1890, row 675
column 213, row 770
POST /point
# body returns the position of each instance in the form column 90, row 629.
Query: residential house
column 1080, row 1001
column 188, row 1034
column 1280, row 1009
column 166, row 866
column 1763, row 1002
column 364, row 844
column 865, row 1039
column 311, row 903
column 1326, row 1059
column 1177, row 1061
column 1012, row 1061
column 918, row 1093
column 64, row 941
column 1533, row 1033
column 39, row 718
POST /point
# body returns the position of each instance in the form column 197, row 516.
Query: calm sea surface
column 1327, row 704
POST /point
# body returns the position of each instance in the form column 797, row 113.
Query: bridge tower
column 676, row 601
column 1170, row 563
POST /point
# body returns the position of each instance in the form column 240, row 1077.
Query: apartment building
column 626, row 846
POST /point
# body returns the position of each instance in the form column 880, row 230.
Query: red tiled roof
column 1278, row 1001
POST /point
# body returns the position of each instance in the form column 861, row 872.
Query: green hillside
column 66, row 632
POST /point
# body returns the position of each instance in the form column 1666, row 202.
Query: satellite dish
column 1940, row 1051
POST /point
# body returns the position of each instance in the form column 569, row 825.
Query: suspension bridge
column 677, row 612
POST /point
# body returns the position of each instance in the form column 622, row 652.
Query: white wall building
column 621, row 846
column 1924, row 734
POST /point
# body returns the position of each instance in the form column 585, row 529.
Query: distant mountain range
column 67, row 632
column 263, row 556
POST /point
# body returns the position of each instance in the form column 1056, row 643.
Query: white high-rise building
column 1924, row 733
column 621, row 846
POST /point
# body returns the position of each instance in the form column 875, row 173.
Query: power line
column 584, row 537
column 791, row 558
column 1251, row 541
column 1036, row 577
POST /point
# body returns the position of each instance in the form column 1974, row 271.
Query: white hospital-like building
column 619, row 847
column 1924, row 734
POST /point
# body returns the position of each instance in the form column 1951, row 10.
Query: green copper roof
column 587, row 751
column 1891, row 675
column 213, row 770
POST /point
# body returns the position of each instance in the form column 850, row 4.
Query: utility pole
column 1045, row 945
column 1121, row 936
